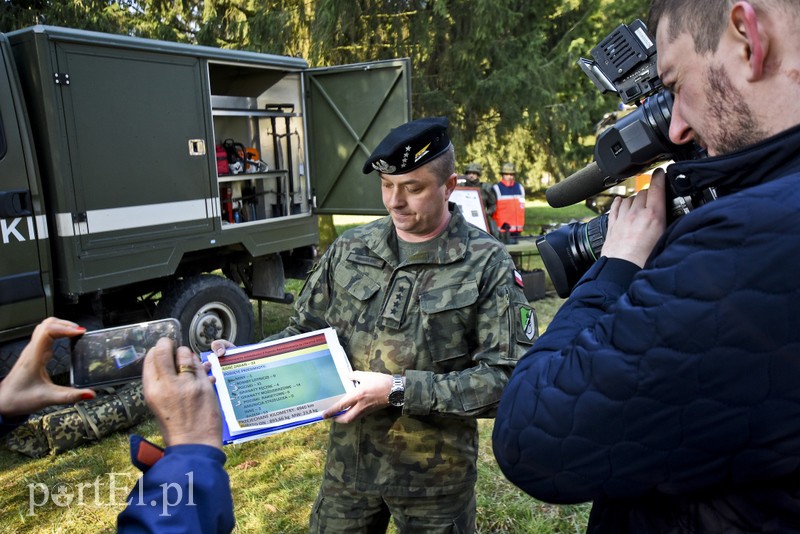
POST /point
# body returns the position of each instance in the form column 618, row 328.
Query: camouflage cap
column 409, row 146
column 474, row 167
column 508, row 168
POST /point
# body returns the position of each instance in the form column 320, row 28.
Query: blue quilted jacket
column 670, row 395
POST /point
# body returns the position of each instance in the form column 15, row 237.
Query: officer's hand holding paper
column 371, row 395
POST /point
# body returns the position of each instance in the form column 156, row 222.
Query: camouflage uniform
column 449, row 320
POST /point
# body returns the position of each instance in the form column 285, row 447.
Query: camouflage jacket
column 450, row 321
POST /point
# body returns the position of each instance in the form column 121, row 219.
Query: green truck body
column 113, row 208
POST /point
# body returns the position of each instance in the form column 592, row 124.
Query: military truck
column 120, row 199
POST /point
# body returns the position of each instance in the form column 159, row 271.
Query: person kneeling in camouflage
column 428, row 309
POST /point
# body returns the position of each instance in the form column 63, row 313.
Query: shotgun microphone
column 579, row 186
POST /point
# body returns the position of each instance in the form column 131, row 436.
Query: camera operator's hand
column 636, row 223
column 180, row 394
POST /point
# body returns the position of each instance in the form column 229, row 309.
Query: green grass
column 274, row 480
column 539, row 215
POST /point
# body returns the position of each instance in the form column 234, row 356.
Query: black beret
column 409, row 146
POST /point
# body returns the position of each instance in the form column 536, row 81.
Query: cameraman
column 667, row 387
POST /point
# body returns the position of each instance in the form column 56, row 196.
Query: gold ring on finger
column 186, row 369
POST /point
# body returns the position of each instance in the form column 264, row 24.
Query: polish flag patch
column 518, row 279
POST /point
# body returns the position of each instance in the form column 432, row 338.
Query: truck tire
column 59, row 364
column 209, row 307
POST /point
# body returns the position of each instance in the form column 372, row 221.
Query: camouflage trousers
column 343, row 511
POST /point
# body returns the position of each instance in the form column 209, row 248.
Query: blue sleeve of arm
column 187, row 490
column 537, row 409
column 593, row 296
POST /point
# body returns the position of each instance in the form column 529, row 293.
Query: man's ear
column 754, row 44
column 450, row 184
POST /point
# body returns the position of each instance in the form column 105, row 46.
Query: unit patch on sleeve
column 526, row 327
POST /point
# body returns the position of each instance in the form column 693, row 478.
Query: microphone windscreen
column 577, row 187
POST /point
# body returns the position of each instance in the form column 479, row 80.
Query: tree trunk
column 327, row 232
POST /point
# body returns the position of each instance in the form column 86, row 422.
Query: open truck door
column 350, row 109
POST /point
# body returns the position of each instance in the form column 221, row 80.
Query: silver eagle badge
column 383, row 167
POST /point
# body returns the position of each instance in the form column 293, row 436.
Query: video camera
column 623, row 63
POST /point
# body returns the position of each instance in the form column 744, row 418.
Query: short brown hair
column 444, row 165
column 704, row 20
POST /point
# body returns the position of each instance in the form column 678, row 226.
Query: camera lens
column 569, row 251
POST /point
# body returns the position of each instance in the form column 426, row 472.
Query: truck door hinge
column 61, row 78
column 79, row 217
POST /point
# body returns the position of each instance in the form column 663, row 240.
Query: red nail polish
column 87, row 396
column 82, row 329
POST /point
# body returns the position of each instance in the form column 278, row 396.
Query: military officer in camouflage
column 427, row 308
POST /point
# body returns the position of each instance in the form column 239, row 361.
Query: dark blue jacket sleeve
column 187, row 490
column 537, row 469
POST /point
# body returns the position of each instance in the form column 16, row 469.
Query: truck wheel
column 59, row 364
column 209, row 307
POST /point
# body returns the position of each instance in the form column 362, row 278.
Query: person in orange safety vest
column 510, row 212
